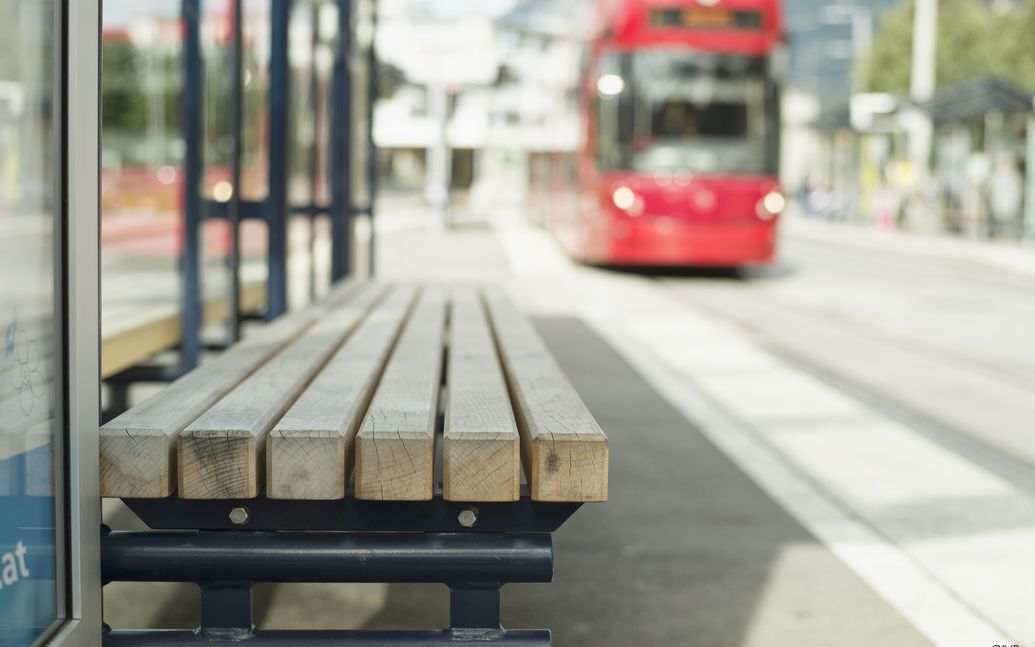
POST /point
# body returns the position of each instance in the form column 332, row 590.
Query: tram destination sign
column 704, row 18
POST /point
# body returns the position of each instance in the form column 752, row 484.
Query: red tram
column 680, row 162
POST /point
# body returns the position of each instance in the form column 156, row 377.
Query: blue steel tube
column 372, row 154
column 279, row 129
column 520, row 638
column 193, row 171
column 283, row 557
column 341, row 147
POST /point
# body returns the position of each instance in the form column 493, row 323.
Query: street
column 836, row 450
column 885, row 401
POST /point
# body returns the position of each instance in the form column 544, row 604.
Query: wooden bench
column 433, row 411
column 141, row 317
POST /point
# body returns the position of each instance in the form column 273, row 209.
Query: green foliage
column 123, row 105
column 972, row 41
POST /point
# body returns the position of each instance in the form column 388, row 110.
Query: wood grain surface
column 395, row 447
column 481, row 446
column 564, row 450
column 222, row 453
column 310, row 449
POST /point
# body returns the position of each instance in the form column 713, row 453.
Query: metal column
column 193, row 173
column 341, row 147
column 373, row 165
column 234, row 215
column 276, row 205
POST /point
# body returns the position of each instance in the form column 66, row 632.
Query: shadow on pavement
column 688, row 551
column 752, row 273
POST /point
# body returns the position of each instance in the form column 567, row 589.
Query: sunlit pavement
column 880, row 401
column 834, row 452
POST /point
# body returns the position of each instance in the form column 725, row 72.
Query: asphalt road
column 946, row 346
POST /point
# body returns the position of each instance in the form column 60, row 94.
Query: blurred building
column 509, row 74
column 826, row 40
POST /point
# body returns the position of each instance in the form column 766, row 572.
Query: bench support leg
column 473, row 606
column 226, row 609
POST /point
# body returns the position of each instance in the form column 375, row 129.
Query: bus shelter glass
column 30, row 337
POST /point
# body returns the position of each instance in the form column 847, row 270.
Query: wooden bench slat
column 138, row 447
column 563, row 448
column 481, row 446
column 395, row 447
column 310, row 449
column 222, row 453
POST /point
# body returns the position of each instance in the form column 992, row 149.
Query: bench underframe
column 390, row 542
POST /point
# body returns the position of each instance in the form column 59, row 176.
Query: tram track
column 972, row 406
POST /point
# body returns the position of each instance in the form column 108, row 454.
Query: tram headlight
column 624, row 198
column 609, row 85
column 771, row 205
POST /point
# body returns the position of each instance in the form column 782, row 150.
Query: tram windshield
column 671, row 110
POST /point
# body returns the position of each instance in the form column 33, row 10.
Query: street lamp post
column 922, row 78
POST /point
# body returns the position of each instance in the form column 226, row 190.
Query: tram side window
column 610, row 112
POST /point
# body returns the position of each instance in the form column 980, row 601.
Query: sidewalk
column 1013, row 258
column 689, row 550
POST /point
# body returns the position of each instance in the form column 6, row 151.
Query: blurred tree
column 123, row 105
column 972, row 41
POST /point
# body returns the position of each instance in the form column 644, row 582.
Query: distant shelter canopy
column 973, row 99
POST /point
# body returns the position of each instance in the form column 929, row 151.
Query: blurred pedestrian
column 1005, row 197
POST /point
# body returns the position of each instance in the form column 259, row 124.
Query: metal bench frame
column 226, row 546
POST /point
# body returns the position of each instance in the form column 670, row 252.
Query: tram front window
column 686, row 111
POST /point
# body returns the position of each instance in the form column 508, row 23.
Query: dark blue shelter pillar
column 193, row 171
column 276, row 204
column 341, row 147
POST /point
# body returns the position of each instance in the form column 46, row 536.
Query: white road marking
column 948, row 544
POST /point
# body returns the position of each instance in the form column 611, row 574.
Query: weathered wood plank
column 481, row 446
column 222, row 453
column 310, row 449
column 564, row 451
column 138, row 448
column 395, row 446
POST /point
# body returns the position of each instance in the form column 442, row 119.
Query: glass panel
column 142, row 154
column 29, row 347
column 217, row 45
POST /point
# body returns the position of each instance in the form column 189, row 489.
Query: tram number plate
column 705, row 18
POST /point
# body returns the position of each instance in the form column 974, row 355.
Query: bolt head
column 239, row 516
column 467, row 517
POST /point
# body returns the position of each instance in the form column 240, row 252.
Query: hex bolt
column 239, row 516
column 468, row 517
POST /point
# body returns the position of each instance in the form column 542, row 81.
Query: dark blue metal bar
column 372, row 154
column 279, row 128
column 314, row 148
column 226, row 606
column 475, row 606
column 233, row 320
column 341, row 147
column 247, row 210
column 452, row 638
column 245, row 557
column 352, row 515
column 193, row 171
column 310, row 209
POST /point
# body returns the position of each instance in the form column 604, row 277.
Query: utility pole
column 922, row 80
column 1029, row 200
